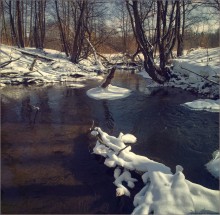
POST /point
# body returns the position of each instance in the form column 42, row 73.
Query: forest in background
column 153, row 28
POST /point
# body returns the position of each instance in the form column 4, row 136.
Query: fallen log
column 35, row 55
column 4, row 64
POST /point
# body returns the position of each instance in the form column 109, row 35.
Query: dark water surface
column 46, row 167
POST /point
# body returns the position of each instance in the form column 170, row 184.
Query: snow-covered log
column 35, row 55
column 164, row 192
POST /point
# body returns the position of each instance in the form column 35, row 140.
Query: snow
column 163, row 191
column 128, row 138
column 198, row 72
column 187, row 71
column 204, row 104
column 76, row 85
column 144, row 74
column 213, row 166
column 57, row 69
column 110, row 93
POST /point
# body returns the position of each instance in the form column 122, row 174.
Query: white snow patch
column 76, row 85
column 204, row 104
column 110, row 93
column 198, row 72
column 128, row 138
column 144, row 74
column 163, row 192
column 213, row 166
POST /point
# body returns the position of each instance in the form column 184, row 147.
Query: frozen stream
column 47, row 167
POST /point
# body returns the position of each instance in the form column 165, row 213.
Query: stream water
column 47, row 166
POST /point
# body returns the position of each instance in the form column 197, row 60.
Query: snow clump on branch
column 164, row 192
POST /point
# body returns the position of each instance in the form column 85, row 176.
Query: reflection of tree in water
column 108, row 116
column 70, row 92
column 76, row 107
column 43, row 98
column 26, row 110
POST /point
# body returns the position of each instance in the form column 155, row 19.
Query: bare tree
column 39, row 23
column 19, row 24
column 79, row 33
column 167, row 32
column 62, row 32
column 12, row 25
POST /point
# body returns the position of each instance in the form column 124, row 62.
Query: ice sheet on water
column 204, row 104
column 110, row 93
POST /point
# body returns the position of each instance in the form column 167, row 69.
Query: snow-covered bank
column 50, row 67
column 213, row 166
column 198, row 71
column 163, row 192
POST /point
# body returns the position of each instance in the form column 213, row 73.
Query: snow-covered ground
column 164, row 192
column 198, row 71
column 55, row 68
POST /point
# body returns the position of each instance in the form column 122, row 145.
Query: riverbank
column 31, row 66
column 198, row 71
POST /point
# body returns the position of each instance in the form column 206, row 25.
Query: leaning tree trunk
column 156, row 73
column 109, row 78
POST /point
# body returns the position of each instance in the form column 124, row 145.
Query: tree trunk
column 19, row 23
column 4, row 24
column 155, row 72
column 62, row 35
column 79, row 34
column 13, row 31
column 180, row 38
